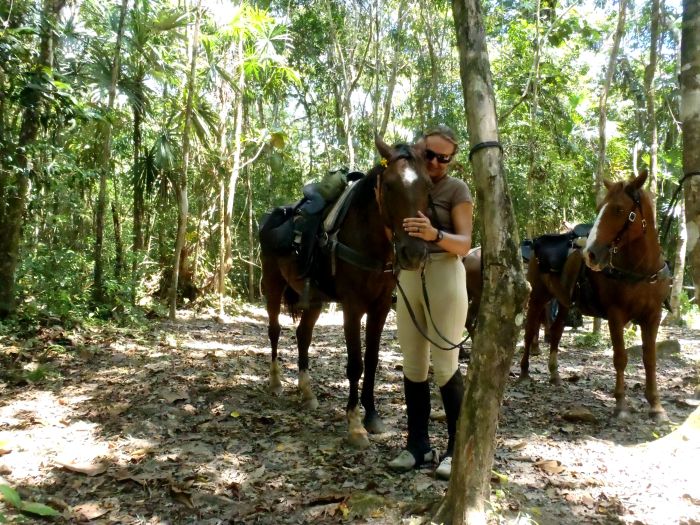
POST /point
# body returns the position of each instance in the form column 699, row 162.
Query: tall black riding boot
column 452, row 393
column 417, row 449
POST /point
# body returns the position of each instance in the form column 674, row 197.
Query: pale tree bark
column 690, row 117
column 650, row 92
column 599, row 189
column 350, row 73
column 106, row 163
column 14, row 187
column 181, row 182
column 391, row 82
column 534, row 89
column 237, row 147
column 251, row 238
column 224, row 99
column 678, row 265
column 505, row 287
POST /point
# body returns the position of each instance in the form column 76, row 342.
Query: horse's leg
column 532, row 327
column 649, row 331
column 357, row 435
column 555, row 332
column 375, row 325
column 616, row 325
column 274, row 288
column 304, row 331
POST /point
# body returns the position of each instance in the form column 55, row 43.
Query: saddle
column 552, row 250
column 296, row 229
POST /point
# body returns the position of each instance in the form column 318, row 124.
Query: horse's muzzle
column 411, row 254
column 596, row 256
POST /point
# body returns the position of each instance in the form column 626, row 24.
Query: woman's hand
column 420, row 227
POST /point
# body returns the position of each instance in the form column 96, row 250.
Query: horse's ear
column 608, row 184
column 639, row 181
column 384, row 150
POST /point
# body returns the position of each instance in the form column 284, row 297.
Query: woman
column 448, row 231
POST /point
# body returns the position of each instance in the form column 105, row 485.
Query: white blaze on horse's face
column 409, row 176
column 592, row 238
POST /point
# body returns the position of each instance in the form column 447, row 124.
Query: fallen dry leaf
column 89, row 469
column 550, row 466
column 89, row 511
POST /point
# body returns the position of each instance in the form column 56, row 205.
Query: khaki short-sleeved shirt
column 446, row 194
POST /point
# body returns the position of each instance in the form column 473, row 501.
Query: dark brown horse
column 359, row 273
column 624, row 279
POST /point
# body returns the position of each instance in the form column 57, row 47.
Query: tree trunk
column 237, row 146
column 118, row 245
column 139, row 189
column 391, row 83
column 251, row 239
column 690, row 117
column 603, row 105
column 14, row 188
column 106, row 164
column 650, row 92
column 678, row 266
column 505, row 287
column 181, row 183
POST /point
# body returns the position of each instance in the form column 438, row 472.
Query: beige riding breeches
column 446, row 286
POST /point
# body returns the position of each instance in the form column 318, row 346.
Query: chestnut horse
column 357, row 270
column 625, row 278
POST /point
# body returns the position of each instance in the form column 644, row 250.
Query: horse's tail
column 291, row 301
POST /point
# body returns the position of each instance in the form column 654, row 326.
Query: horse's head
column 402, row 191
column 622, row 218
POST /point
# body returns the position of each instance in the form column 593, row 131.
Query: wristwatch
column 439, row 236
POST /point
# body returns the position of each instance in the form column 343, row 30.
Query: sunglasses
column 442, row 159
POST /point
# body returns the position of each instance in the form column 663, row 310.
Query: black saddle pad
column 276, row 231
column 551, row 251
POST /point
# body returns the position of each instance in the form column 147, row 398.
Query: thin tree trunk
column 391, row 83
column 251, row 239
column 649, row 74
column 118, row 245
column 505, row 288
column 679, row 266
column 690, row 117
column 139, row 190
column 14, row 188
column 530, row 226
column 106, row 164
column 603, row 105
column 181, row 183
column 237, row 146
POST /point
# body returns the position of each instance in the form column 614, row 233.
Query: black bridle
column 631, row 219
column 621, row 274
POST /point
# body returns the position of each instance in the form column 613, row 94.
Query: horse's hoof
column 622, row 414
column 358, row 439
column 524, row 379
column 275, row 388
column 555, row 380
column 310, row 403
column 658, row 415
column 374, row 425
column 535, row 350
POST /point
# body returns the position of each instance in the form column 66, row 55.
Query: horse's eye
column 619, row 210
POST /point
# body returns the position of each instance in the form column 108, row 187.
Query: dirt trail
column 174, row 425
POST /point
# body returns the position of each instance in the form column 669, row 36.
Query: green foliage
column 591, row 340
column 11, row 496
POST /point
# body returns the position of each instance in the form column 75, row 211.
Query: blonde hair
column 444, row 132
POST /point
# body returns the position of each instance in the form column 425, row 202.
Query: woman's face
column 438, row 155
